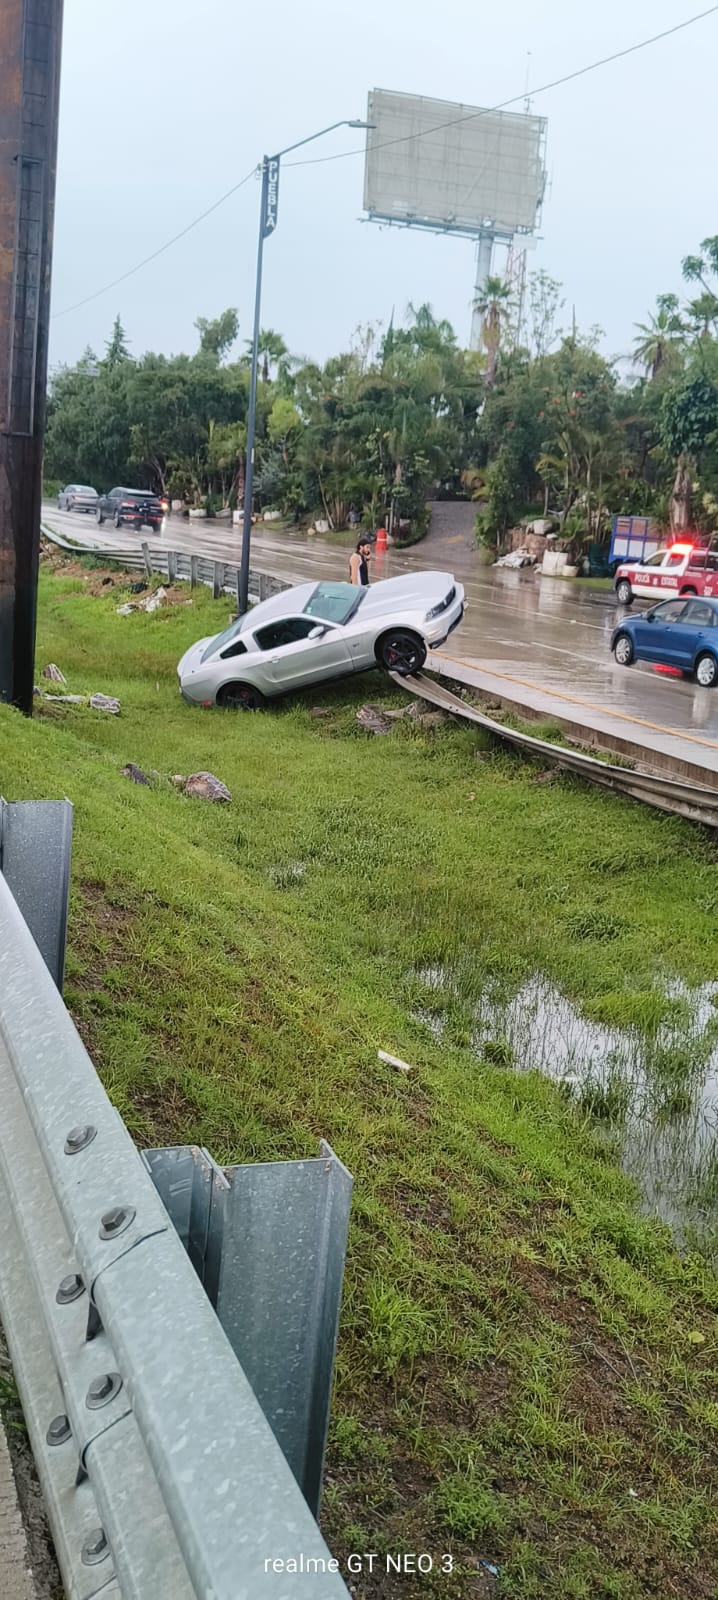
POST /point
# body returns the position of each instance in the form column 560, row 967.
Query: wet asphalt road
column 547, row 633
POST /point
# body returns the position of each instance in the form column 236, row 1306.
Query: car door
column 698, row 624
column 660, row 635
column 293, row 658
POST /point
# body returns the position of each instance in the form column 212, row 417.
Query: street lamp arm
column 345, row 123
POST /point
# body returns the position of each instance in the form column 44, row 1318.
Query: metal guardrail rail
column 693, row 801
column 156, row 1451
column 219, row 576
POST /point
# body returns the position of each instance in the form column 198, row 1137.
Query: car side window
column 697, row 561
column 671, row 611
column 288, row 630
column 701, row 614
column 237, row 648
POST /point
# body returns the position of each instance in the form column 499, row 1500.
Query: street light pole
column 268, row 212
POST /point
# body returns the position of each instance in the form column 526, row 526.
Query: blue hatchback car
column 677, row 633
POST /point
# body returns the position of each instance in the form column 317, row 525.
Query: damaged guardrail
column 689, row 800
column 171, row 1324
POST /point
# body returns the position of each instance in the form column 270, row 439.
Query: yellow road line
column 574, row 700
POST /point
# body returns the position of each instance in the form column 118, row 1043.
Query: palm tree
column 273, row 352
column 657, row 338
column 493, row 304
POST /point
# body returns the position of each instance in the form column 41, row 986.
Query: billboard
column 438, row 164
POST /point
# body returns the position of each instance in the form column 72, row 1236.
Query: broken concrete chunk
column 126, row 609
column 51, row 671
column 204, row 786
column 373, row 719
column 105, row 702
column 67, row 699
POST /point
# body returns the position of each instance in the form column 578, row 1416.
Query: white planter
column 321, row 526
column 272, row 516
column 196, row 515
column 223, row 515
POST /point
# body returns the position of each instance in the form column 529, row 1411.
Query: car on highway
column 676, row 633
column 319, row 631
column 134, row 507
column 77, row 497
column 684, row 568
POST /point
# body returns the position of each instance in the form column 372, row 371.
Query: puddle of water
column 659, row 1093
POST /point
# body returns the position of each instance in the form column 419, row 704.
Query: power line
column 568, row 77
column 155, row 253
column 345, row 155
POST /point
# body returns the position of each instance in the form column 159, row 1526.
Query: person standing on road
column 359, row 562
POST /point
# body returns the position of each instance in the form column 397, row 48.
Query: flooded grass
column 644, row 1064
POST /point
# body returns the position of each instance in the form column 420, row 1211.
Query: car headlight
column 442, row 606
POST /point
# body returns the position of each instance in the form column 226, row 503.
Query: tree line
column 539, row 422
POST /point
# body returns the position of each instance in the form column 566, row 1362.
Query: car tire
column 99, row 517
column 401, row 651
column 623, row 650
column 706, row 670
column 685, row 593
column 117, row 520
column 624, row 592
column 240, row 697
column 155, row 526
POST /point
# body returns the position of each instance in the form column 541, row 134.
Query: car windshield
column 222, row 639
column 334, row 602
column 656, row 560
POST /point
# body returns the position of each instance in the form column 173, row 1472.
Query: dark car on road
column 677, row 633
column 133, row 507
column 77, row 497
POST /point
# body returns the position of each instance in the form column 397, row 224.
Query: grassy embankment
column 526, row 1369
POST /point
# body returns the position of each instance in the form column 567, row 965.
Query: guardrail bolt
column 70, row 1289
column 116, row 1221
column 102, row 1390
column 95, row 1547
column 59, row 1430
column 78, row 1138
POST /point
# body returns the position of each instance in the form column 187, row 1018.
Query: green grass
column 519, row 1378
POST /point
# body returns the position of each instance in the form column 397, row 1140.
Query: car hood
column 193, row 656
column 416, row 591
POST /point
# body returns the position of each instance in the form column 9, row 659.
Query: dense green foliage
column 539, row 421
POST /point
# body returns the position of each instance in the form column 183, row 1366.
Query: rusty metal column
column 30, row 39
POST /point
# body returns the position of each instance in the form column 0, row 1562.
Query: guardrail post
column 147, row 558
column 172, row 566
column 217, row 579
column 35, row 851
column 268, row 1240
column 193, row 571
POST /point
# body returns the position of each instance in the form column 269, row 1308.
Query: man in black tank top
column 359, row 563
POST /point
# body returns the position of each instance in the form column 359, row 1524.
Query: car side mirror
column 317, row 633
column 650, row 616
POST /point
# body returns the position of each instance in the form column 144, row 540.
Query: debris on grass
column 53, row 672
column 105, row 702
column 204, row 786
column 135, row 773
column 394, row 1061
column 373, row 719
column 67, row 699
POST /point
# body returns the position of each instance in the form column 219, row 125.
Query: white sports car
column 319, row 631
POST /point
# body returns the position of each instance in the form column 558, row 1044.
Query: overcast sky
column 166, row 103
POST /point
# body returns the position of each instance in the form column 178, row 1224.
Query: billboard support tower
column 484, row 259
column 448, row 168
column 30, row 38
